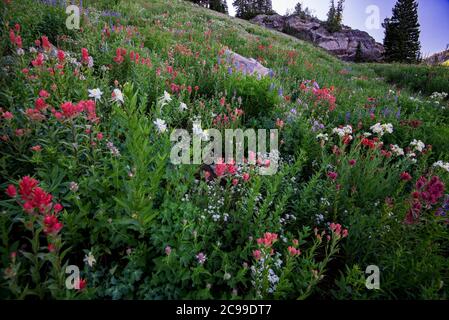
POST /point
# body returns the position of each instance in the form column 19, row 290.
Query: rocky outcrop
column 437, row 58
column 342, row 44
column 246, row 65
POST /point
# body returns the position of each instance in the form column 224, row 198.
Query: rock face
column 342, row 44
column 437, row 58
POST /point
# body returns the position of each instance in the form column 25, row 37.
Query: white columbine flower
column 90, row 259
column 166, row 98
column 198, row 131
column 381, row 129
column 418, row 145
column 95, row 93
column 388, row 127
column 182, row 106
column 323, row 136
column 341, row 132
column 117, row 96
column 20, row 52
column 161, row 125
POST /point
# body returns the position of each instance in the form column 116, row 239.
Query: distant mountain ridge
column 342, row 44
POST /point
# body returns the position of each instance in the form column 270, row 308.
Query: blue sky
column 433, row 16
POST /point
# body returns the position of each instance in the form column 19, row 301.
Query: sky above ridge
column 365, row 15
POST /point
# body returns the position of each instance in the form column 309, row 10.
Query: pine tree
column 218, row 5
column 359, row 53
column 335, row 16
column 402, row 33
column 248, row 9
column 298, row 8
column 331, row 16
column 242, row 8
column 339, row 15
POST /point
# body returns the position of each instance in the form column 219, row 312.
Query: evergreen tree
column 298, row 8
column 335, row 16
column 339, row 15
column 218, row 5
column 331, row 16
column 242, row 8
column 359, row 53
column 402, row 32
column 248, row 9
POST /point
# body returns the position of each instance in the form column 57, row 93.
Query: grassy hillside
column 89, row 183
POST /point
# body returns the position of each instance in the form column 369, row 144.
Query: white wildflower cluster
column 182, row 106
column 161, row 126
column 412, row 157
column 418, row 145
column 381, row 129
column 442, row 165
column 287, row 217
column 114, row 150
column 273, row 279
column 258, row 272
column 319, row 218
column 89, row 259
column 398, row 151
column 95, row 93
column 437, row 96
column 90, row 62
column 117, row 96
column 216, row 203
column 342, row 132
column 323, row 137
column 198, row 131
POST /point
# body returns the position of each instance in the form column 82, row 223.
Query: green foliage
column 140, row 227
column 257, row 95
column 418, row 78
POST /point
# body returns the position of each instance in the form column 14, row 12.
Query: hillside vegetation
column 87, row 180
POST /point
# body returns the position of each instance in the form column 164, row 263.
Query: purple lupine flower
column 280, row 92
column 230, row 71
column 201, row 257
column 317, row 126
column 444, row 210
column 398, row 114
column 348, row 117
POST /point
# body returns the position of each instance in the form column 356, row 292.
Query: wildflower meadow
column 93, row 205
